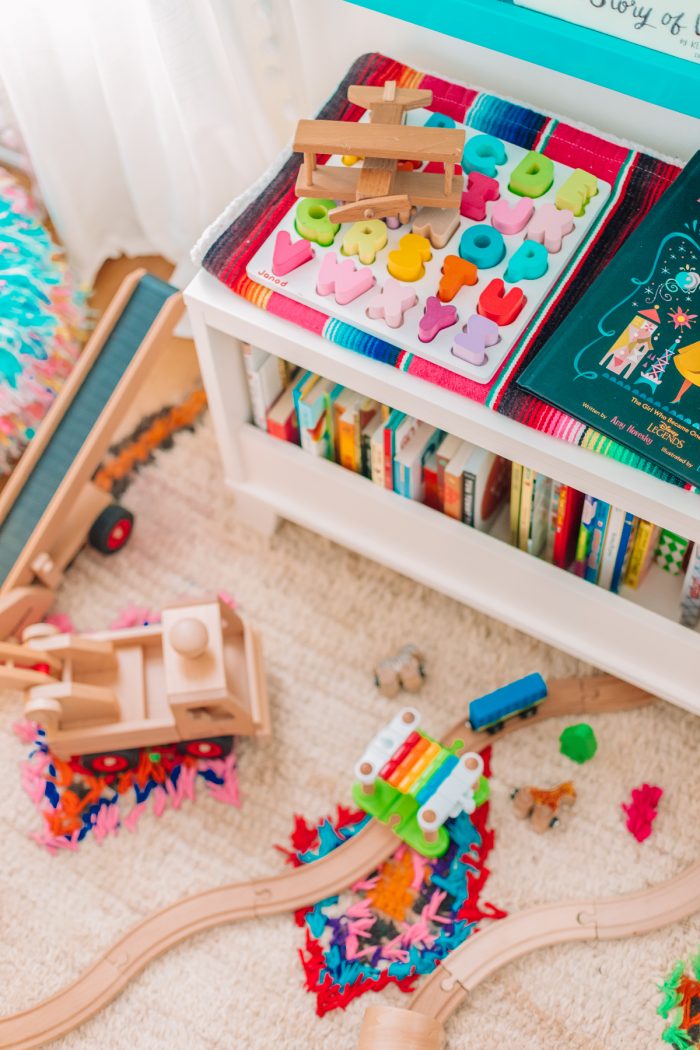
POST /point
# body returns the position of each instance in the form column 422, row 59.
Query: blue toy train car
column 519, row 698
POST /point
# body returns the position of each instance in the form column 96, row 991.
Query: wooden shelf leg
column 256, row 514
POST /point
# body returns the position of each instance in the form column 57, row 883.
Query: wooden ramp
column 48, row 505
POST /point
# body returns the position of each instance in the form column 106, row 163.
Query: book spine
column 468, row 487
column 585, row 535
column 553, row 517
column 525, row 517
column 453, row 495
column 610, row 548
column 537, row 537
column 623, row 552
column 255, row 389
column 378, row 457
column 347, row 433
column 430, row 483
column 366, row 455
column 690, row 595
column 516, row 481
column 597, row 540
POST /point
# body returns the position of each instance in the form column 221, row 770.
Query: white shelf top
column 623, row 486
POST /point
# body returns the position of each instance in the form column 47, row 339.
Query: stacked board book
column 577, row 532
column 626, row 359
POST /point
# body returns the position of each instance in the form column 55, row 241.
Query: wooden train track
column 106, row 978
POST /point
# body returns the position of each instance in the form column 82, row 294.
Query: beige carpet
column 327, row 615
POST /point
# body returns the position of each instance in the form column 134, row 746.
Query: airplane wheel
column 112, row 529
column 111, row 763
column 214, row 747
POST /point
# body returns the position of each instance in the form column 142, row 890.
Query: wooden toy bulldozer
column 192, row 681
column 378, row 189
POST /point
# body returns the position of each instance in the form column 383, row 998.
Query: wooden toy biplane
column 378, row 189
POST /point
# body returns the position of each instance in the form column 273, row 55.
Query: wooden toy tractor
column 193, row 681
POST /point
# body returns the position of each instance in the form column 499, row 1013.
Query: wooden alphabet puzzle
column 457, row 287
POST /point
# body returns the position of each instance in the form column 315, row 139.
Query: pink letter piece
column 512, row 218
column 436, row 317
column 391, row 302
column 480, row 189
column 549, row 226
column 343, row 279
column 287, row 255
column 470, row 344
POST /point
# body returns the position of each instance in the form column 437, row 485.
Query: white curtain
column 143, row 118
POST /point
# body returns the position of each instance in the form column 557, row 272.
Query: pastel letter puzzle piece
column 343, row 279
column 482, row 245
column 312, row 221
column 440, row 120
column 437, row 224
column 484, row 153
column 512, row 218
column 550, row 226
column 529, row 262
column 577, row 191
column 498, row 307
column 435, row 318
column 470, row 344
column 287, row 255
column 365, row 239
column 456, row 273
column 391, row 303
column 480, row 189
column 533, row 176
column 406, row 262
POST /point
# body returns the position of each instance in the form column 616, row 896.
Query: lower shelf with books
column 602, row 544
column 478, row 568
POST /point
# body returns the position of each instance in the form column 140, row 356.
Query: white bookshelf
column 634, row 635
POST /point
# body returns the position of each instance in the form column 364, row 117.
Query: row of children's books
column 577, row 532
column 600, row 543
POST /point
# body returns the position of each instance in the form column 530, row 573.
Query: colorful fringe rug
column 680, row 1006
column 43, row 319
column 403, row 919
column 637, row 181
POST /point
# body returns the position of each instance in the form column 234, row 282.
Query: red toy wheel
column 112, row 529
column 110, row 763
column 215, row 747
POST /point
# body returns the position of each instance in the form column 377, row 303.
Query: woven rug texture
column 327, row 615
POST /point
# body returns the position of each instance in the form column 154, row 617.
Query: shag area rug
column 327, row 616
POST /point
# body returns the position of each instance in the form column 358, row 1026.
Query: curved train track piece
column 106, row 977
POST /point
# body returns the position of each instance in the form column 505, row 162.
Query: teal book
column 626, row 361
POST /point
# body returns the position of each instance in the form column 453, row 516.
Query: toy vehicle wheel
column 108, row 763
column 530, row 713
column 214, row 747
column 554, row 821
column 111, row 530
column 39, row 630
column 495, row 728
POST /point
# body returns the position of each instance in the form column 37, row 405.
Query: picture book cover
column 626, row 360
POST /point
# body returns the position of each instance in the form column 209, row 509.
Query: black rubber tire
column 103, row 535
column 222, row 744
column 98, row 764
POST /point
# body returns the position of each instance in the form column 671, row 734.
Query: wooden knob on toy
column 189, row 637
column 389, row 1027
